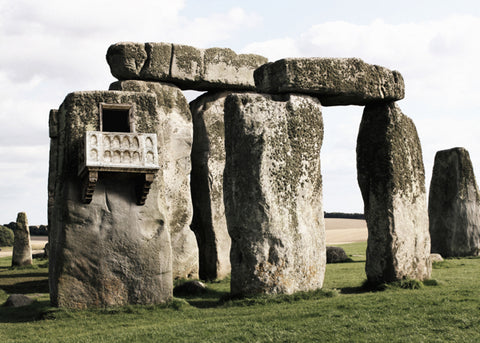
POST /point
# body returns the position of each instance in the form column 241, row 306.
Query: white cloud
column 53, row 47
column 275, row 49
column 438, row 60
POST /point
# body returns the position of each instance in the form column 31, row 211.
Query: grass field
column 446, row 309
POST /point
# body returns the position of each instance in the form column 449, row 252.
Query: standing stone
column 454, row 205
column 273, row 193
column 22, row 250
column 176, row 121
column 106, row 248
column 391, row 177
column 208, row 164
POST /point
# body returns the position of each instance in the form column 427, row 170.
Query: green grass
column 446, row 309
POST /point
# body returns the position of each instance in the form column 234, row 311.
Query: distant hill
column 343, row 215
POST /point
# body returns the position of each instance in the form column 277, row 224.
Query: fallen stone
column 336, row 255
column 190, row 288
column 176, row 122
column 185, row 66
column 273, row 193
column 208, row 164
column 436, row 257
column 22, row 250
column 391, row 177
column 335, row 81
column 106, row 248
column 18, row 300
column 454, row 205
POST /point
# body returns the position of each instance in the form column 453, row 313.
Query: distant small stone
column 436, row 257
column 22, row 250
column 18, row 300
column 336, row 254
column 46, row 250
column 190, row 288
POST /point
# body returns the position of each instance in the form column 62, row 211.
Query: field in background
column 338, row 231
column 341, row 231
column 446, row 309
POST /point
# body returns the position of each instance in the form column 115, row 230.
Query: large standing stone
column 454, row 205
column 110, row 251
column 392, row 180
column 176, row 121
column 335, row 81
column 273, row 193
column 208, row 164
column 185, row 66
column 22, row 250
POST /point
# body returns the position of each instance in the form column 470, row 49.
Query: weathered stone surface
column 126, row 59
column 208, row 164
column 18, row 300
column 336, row 255
column 109, row 251
column 176, row 122
column 22, row 250
column 273, row 193
column 225, row 67
column 391, row 177
column 335, row 81
column 454, row 205
column 157, row 65
column 185, row 66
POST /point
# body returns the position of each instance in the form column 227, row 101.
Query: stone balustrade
column 119, row 151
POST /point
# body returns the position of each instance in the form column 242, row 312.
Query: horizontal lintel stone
column 335, row 81
column 185, row 66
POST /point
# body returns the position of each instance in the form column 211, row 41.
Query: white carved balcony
column 123, row 152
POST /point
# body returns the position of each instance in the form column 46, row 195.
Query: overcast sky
column 50, row 48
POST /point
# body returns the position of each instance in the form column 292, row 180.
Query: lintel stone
column 335, row 81
column 185, row 66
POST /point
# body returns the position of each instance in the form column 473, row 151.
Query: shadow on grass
column 368, row 287
column 347, row 262
column 30, row 313
column 209, row 299
column 23, row 275
column 27, row 287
